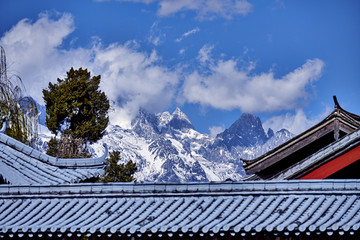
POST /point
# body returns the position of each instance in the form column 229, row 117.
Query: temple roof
column 337, row 125
column 323, row 156
column 21, row 164
column 294, row 206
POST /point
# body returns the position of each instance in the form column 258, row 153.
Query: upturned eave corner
column 24, row 165
column 84, row 162
column 336, row 103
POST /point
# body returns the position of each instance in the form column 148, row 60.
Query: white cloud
column 295, row 123
column 188, row 33
column 205, row 9
column 182, row 51
column 32, row 51
column 215, row 130
column 204, row 55
column 227, row 87
column 192, row 31
column 155, row 36
column 135, row 80
column 130, row 78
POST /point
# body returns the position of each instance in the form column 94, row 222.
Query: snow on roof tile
column 218, row 207
column 21, row 164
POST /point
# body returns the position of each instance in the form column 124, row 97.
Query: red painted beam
column 334, row 165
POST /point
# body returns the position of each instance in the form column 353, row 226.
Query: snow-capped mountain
column 166, row 147
column 247, row 131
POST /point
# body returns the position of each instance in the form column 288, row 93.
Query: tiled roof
column 22, row 165
column 295, row 207
column 345, row 144
column 339, row 123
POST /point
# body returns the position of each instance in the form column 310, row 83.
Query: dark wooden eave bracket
column 337, row 105
column 336, row 123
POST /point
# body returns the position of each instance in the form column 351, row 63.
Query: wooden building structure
column 330, row 149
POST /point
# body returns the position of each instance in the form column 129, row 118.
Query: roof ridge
column 270, row 187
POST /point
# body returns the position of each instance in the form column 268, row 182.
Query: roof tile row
column 64, row 210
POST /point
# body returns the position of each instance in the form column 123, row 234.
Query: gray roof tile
column 23, row 165
column 211, row 208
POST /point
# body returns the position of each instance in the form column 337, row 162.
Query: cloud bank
column 33, row 54
column 225, row 86
column 133, row 79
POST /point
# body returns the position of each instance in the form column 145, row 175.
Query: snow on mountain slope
column 166, row 147
column 164, row 158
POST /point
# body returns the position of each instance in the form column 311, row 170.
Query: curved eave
column 57, row 162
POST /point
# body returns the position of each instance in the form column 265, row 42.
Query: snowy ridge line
column 167, row 148
column 333, row 187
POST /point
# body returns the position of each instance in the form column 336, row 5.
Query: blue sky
column 281, row 60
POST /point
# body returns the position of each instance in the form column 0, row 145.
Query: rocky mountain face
column 166, row 147
column 247, row 131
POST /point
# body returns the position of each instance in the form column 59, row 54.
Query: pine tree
column 115, row 172
column 21, row 111
column 77, row 110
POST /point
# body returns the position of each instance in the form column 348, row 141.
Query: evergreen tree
column 76, row 109
column 115, row 172
column 21, row 111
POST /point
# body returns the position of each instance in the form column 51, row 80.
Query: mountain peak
column 180, row 114
column 180, row 120
column 165, row 150
column 246, row 131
